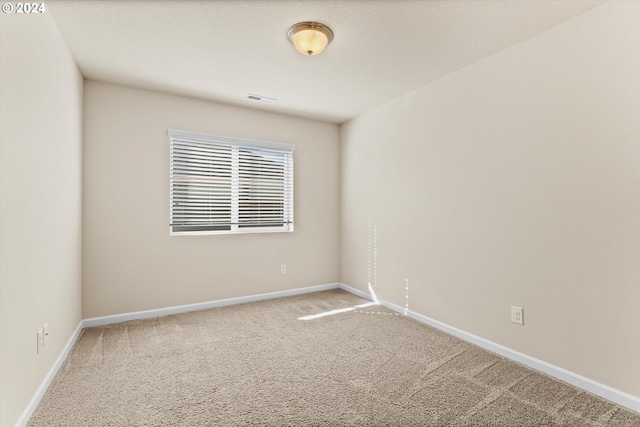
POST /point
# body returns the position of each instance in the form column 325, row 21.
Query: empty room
column 328, row 212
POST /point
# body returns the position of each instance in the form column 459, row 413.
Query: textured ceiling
column 223, row 50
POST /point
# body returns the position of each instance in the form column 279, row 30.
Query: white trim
column 355, row 291
column 118, row 318
column 229, row 140
column 621, row 398
column 284, row 229
column 44, row 385
column 617, row 396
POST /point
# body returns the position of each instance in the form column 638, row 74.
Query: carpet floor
column 327, row 358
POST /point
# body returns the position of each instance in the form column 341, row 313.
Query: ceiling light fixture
column 310, row 38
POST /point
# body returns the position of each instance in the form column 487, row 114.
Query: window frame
column 235, row 144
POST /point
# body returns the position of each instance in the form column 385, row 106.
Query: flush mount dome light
column 310, row 38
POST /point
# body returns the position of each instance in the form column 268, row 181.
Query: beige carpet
column 260, row 364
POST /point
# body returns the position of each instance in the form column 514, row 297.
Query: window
column 221, row 184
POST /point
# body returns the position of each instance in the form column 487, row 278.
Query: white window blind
column 221, row 184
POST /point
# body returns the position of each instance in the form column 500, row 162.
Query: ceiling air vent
column 260, row 98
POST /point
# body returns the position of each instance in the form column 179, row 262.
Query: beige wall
column 515, row 181
column 40, row 219
column 131, row 263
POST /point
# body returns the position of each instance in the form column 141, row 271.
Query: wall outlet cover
column 517, row 315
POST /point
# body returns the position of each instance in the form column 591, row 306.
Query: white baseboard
column 620, row 397
column 33, row 403
column 602, row 390
column 355, row 291
column 118, row 318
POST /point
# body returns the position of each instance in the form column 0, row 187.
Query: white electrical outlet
column 283, row 268
column 40, row 340
column 45, row 330
column 517, row 315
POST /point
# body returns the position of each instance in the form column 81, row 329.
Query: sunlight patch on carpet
column 336, row 311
